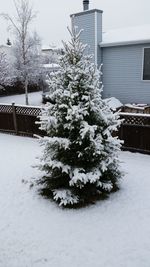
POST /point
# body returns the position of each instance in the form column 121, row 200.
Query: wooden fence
column 20, row 120
column 135, row 131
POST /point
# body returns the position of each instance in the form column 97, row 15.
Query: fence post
column 121, row 132
column 15, row 118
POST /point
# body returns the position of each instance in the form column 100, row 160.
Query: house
column 124, row 53
column 7, row 50
column 50, row 54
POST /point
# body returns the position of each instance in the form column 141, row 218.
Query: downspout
column 95, row 38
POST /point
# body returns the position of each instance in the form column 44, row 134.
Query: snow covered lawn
column 35, row 99
column 35, row 232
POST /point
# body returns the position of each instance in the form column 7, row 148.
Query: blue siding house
column 125, row 54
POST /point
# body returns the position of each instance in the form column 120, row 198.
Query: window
column 146, row 64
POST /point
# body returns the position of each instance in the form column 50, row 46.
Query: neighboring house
column 7, row 50
column 50, row 57
column 49, row 63
column 125, row 54
column 51, row 67
column 50, row 54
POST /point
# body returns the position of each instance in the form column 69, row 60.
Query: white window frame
column 143, row 64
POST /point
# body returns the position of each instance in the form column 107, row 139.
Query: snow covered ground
column 34, row 232
column 35, row 99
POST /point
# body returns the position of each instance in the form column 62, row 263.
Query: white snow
column 134, row 106
column 51, row 65
column 134, row 114
column 50, row 47
column 126, row 35
column 35, row 99
column 113, row 103
column 35, row 232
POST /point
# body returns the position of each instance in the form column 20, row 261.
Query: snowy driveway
column 35, row 99
column 35, row 232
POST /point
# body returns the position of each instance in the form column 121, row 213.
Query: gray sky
column 53, row 16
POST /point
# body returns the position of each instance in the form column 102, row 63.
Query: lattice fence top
column 20, row 110
column 136, row 120
column 6, row 108
column 129, row 118
column 30, row 111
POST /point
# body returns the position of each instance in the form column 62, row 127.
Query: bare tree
column 24, row 43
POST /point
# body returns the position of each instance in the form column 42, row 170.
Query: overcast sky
column 53, row 16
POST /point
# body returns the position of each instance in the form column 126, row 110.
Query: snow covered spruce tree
column 80, row 153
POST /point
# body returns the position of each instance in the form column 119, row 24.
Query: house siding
column 122, row 74
column 91, row 22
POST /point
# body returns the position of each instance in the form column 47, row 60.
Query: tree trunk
column 26, row 91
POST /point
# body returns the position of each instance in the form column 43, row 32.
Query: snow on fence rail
column 20, row 120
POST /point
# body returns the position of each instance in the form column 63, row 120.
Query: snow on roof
column 5, row 46
column 125, row 36
column 51, row 65
column 50, row 47
column 46, row 47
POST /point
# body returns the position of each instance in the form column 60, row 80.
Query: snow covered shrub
column 80, row 155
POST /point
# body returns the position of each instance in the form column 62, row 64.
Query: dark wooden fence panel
column 135, row 137
column 20, row 120
column 6, row 118
column 135, row 132
column 6, row 122
column 27, row 125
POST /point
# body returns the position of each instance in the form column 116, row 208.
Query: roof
column 49, row 48
column 5, row 46
column 86, row 12
column 126, row 36
column 51, row 65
